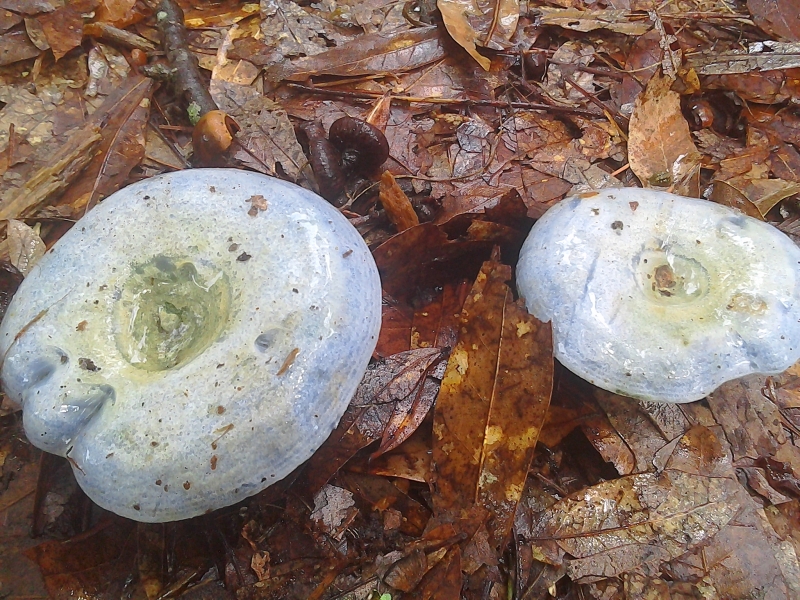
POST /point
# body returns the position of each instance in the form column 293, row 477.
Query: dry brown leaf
column 618, row 21
column 457, row 15
column 25, row 246
column 660, row 147
column 492, row 404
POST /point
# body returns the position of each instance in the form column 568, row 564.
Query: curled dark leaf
column 326, row 162
column 363, row 146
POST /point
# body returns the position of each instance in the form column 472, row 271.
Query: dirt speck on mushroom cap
column 687, row 295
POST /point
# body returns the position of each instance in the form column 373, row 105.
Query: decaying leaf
column 660, row 148
column 642, row 520
column 25, row 247
column 15, row 45
column 124, row 116
column 492, row 404
column 369, row 54
column 618, row 21
column 768, row 55
column 389, row 392
column 778, row 17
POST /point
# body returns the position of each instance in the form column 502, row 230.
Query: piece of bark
column 398, row 206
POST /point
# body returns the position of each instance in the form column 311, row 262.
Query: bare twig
column 120, row 36
column 189, row 82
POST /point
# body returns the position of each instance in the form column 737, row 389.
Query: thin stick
column 365, row 95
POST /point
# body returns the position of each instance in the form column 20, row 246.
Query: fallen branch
column 188, row 81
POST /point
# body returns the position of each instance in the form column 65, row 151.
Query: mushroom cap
column 661, row 297
column 192, row 340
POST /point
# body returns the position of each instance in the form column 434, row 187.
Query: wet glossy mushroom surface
column 192, row 340
column 661, row 297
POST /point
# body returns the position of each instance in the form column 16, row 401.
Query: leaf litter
column 468, row 464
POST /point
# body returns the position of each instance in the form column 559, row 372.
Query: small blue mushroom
column 661, row 297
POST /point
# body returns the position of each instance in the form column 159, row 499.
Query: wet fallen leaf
column 63, row 29
column 457, row 16
column 267, row 142
column 396, row 203
column 334, row 508
column 660, row 147
column 492, row 404
column 119, row 13
column 383, row 495
column 15, row 45
column 423, row 256
column 412, row 407
column 778, row 17
column 764, row 194
column 396, row 323
column 293, row 30
column 124, row 116
column 410, row 460
column 444, row 580
column 405, row 380
column 436, row 316
column 638, row 521
column 10, row 278
column 369, row 54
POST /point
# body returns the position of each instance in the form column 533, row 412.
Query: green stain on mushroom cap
column 169, row 312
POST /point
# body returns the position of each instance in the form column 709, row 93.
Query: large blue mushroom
column 192, row 340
